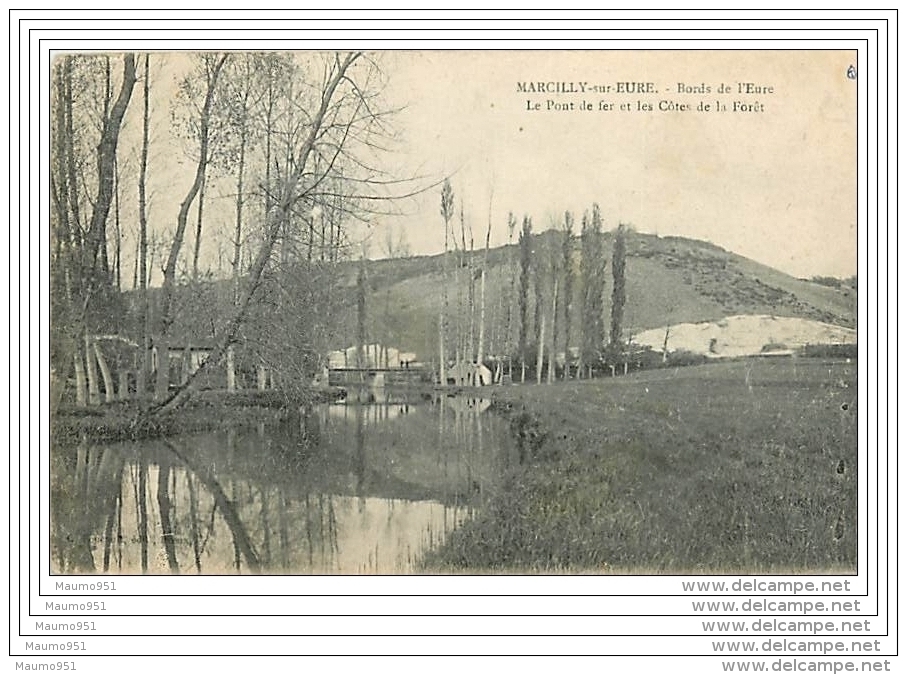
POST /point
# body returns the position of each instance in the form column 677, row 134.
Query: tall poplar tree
column 619, row 292
column 447, row 213
column 523, row 297
column 567, row 265
column 211, row 67
column 593, row 274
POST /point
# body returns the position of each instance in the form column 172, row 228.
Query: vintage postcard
column 454, row 312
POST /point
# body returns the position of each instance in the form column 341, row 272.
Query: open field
column 735, row 466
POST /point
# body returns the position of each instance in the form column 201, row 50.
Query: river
column 348, row 488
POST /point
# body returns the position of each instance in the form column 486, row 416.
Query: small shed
column 469, row 374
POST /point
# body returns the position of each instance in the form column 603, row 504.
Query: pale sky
column 778, row 186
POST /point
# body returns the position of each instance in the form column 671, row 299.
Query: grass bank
column 747, row 465
column 206, row 410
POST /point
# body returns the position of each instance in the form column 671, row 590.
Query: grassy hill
column 670, row 280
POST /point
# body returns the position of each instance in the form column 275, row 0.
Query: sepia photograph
column 453, row 312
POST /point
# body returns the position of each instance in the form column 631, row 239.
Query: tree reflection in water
column 86, row 496
column 339, row 489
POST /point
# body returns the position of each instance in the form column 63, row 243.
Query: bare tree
column 144, row 373
column 567, row 265
column 481, row 350
column 396, row 245
column 447, row 212
column 361, row 330
column 212, row 65
column 539, row 274
column 552, row 347
column 523, row 298
column 619, row 292
column 593, row 275
column 83, row 293
column 461, row 263
column 248, row 79
column 342, row 116
column 470, row 350
column 512, row 274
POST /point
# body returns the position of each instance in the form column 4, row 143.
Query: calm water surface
column 343, row 489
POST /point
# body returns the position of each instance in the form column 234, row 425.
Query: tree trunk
column 109, row 392
column 162, row 375
column 81, row 391
column 481, row 351
column 60, row 174
column 512, row 273
column 194, row 530
column 227, row 508
column 311, row 235
column 458, row 324
column 231, row 368
column 443, row 319
column 553, row 346
column 145, row 367
column 442, row 369
column 165, row 506
column 70, row 154
column 567, row 263
column 94, row 395
column 618, row 293
column 142, row 508
column 523, row 298
column 198, row 229
column 123, row 388
column 237, row 236
column 107, row 149
column 185, row 365
column 361, row 335
column 541, row 354
column 539, row 306
column 135, row 267
column 446, row 214
column 116, row 221
column 471, row 347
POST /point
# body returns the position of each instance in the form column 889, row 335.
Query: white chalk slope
column 745, row 335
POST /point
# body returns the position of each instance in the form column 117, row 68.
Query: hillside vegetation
column 670, row 280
